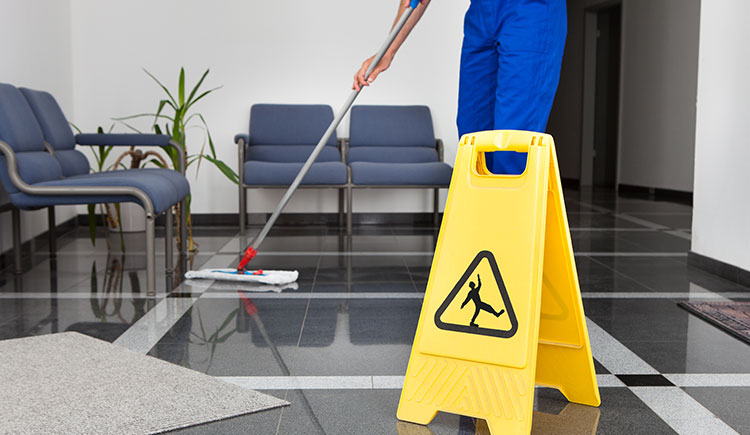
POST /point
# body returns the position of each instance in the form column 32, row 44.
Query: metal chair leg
column 349, row 209
column 51, row 233
column 183, row 229
column 150, row 256
column 436, row 207
column 341, row 208
column 243, row 208
column 168, row 234
column 16, row 217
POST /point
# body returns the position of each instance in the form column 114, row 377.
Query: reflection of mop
column 254, row 287
column 252, row 311
column 273, row 277
column 240, row 274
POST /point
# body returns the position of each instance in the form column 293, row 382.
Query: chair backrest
column 391, row 134
column 391, row 126
column 20, row 129
column 57, row 132
column 290, row 124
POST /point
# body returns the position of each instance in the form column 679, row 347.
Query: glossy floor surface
column 336, row 344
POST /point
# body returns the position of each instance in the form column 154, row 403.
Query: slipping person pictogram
column 478, row 304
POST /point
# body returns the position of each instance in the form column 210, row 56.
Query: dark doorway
column 607, row 96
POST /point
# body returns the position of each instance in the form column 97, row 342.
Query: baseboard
column 719, row 268
column 35, row 243
column 656, row 194
column 321, row 219
column 294, row 219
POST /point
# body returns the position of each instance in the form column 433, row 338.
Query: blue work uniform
column 510, row 68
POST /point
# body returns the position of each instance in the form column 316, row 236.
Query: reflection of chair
column 282, row 320
column 395, row 324
column 40, row 168
column 282, row 137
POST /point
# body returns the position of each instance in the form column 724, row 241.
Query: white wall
column 721, row 207
column 659, row 68
column 295, row 51
column 35, row 48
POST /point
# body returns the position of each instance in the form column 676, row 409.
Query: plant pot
column 132, row 217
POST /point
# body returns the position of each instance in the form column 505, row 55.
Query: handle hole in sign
column 509, row 163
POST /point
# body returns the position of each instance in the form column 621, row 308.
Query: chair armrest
column 123, row 139
column 15, row 178
column 241, row 140
column 439, row 148
column 242, row 136
column 133, row 139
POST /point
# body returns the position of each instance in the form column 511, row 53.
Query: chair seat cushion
column 392, row 154
column 401, row 174
column 290, row 153
column 165, row 188
column 282, row 174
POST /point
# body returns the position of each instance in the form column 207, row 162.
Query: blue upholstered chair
column 40, row 167
column 280, row 140
column 395, row 147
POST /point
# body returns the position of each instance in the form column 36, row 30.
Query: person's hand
column 359, row 77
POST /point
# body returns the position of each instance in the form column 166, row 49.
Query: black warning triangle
column 475, row 329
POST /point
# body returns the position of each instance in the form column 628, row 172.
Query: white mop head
column 275, row 277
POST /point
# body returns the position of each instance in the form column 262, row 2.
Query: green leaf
column 94, row 283
column 119, row 225
column 157, row 129
column 157, row 162
column 229, row 318
column 131, row 127
column 190, row 104
column 225, row 169
column 224, row 337
column 78, row 130
column 92, row 223
column 208, row 133
column 144, row 115
column 181, row 87
column 196, row 87
column 171, row 98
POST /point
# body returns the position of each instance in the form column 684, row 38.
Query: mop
column 277, row 277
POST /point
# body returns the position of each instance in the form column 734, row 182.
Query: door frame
column 588, row 115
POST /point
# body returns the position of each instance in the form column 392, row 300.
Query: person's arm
column 479, row 282
column 385, row 62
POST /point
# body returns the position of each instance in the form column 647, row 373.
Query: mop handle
column 331, row 129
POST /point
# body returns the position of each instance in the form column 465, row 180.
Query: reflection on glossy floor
column 336, row 344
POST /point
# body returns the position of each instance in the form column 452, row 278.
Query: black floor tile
column 668, row 338
column 668, row 274
column 221, row 337
column 357, row 337
column 101, row 317
column 621, row 412
column 727, row 403
column 645, row 381
column 669, row 220
column 656, row 241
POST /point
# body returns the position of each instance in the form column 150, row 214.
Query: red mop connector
column 249, row 254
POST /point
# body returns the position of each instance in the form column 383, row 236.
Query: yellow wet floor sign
column 502, row 311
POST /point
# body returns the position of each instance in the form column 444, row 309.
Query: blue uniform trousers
column 510, row 68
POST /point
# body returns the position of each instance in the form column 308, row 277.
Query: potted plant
column 174, row 116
